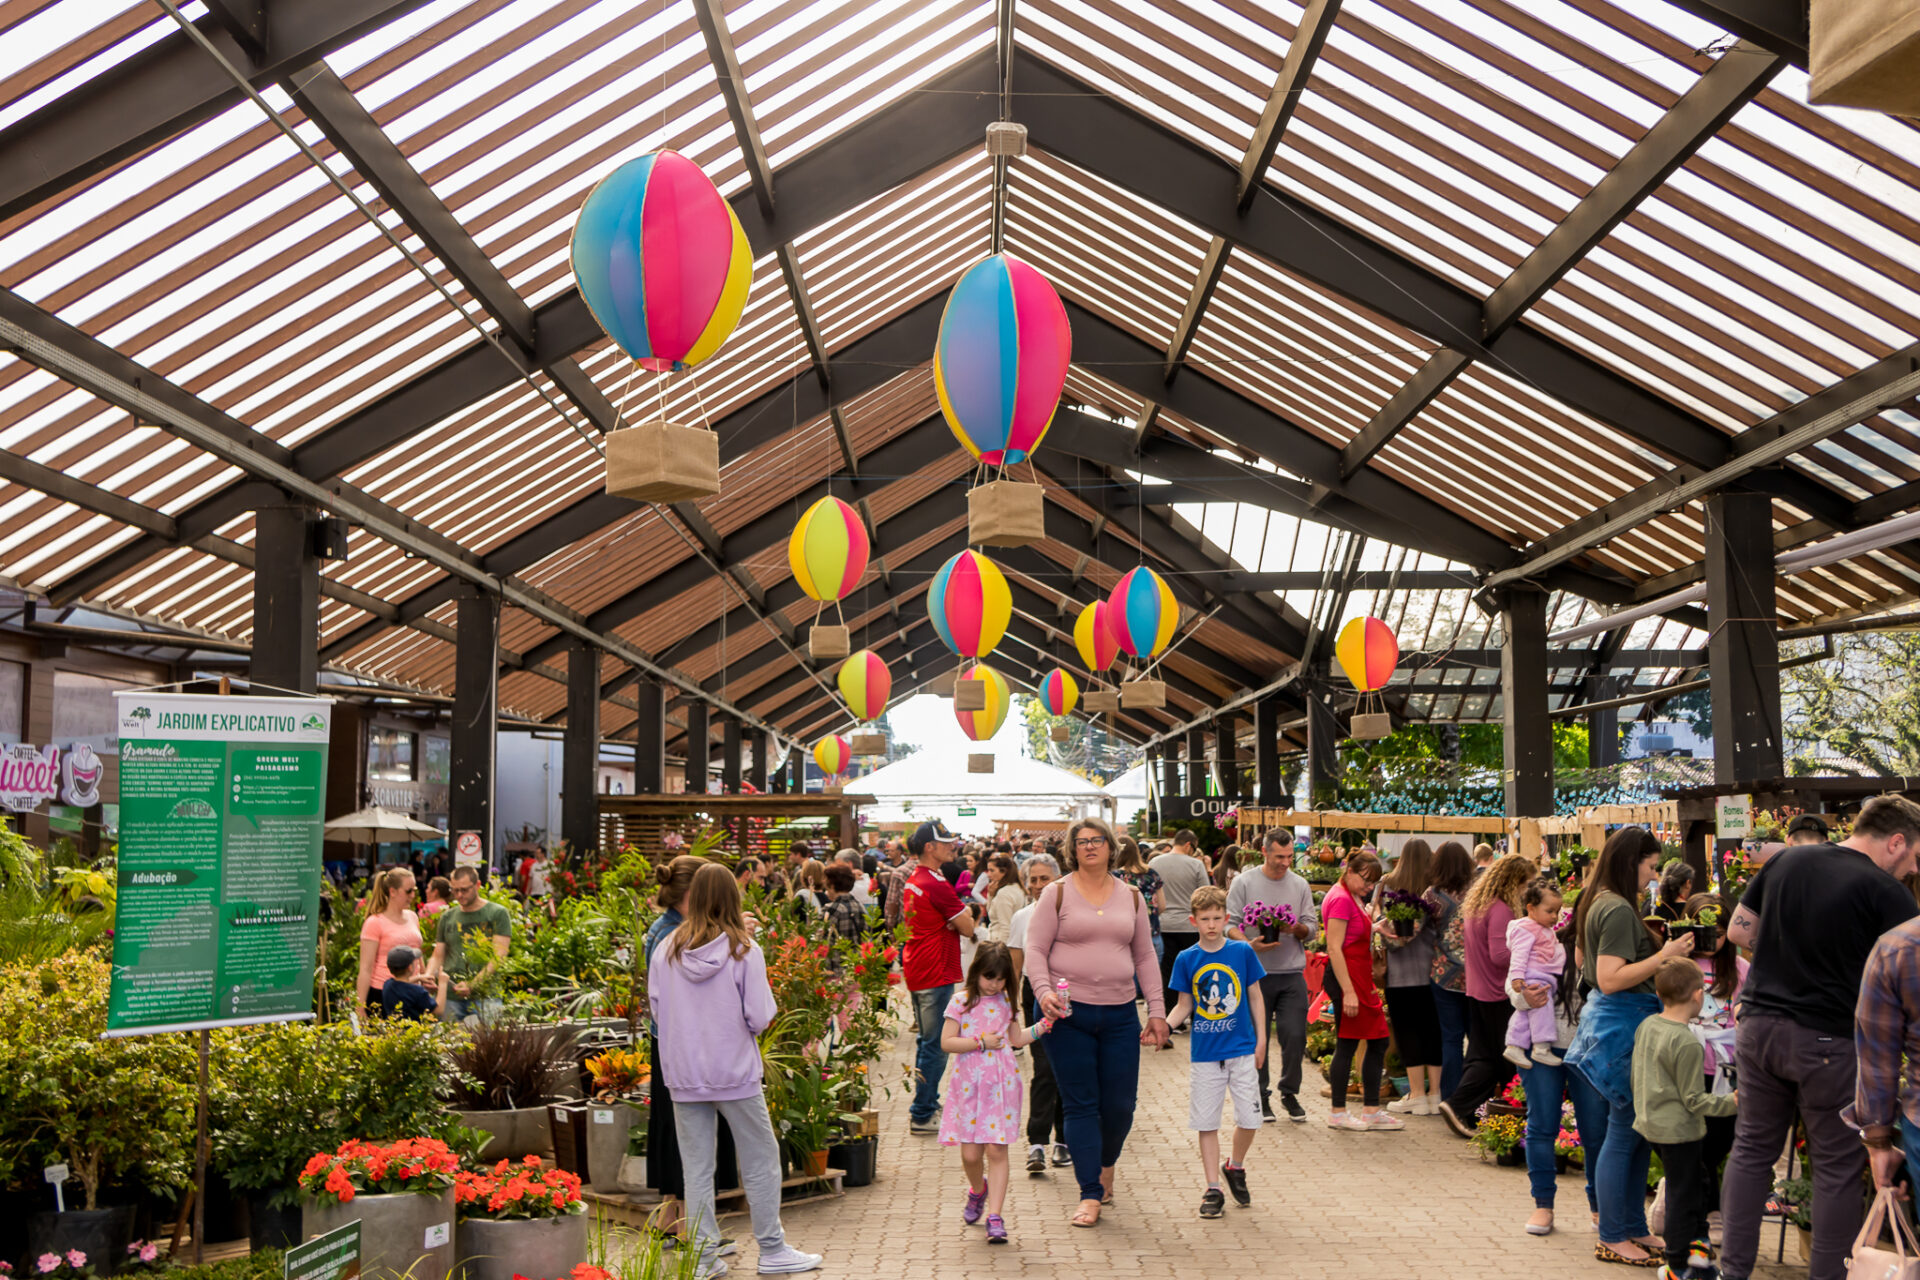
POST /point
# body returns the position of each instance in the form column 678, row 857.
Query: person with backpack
column 1451, row 873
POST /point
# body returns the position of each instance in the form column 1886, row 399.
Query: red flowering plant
column 529, row 1188
column 417, row 1166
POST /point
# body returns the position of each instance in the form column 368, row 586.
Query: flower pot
column 1498, row 1108
column 857, row 1158
column 633, row 1173
column 810, row 1164
column 400, row 1233
column 1270, row 931
column 1706, row 939
column 1403, row 928
column 102, row 1234
column 1514, row 1159
column 539, row 1247
column 271, row 1228
column 522, row 1131
column 1561, row 1162
column 1806, row 1243
column 609, row 1127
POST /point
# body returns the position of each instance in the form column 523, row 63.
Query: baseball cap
column 934, row 832
column 1808, row 822
column 400, row 959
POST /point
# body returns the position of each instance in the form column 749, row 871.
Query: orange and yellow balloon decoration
column 1367, row 650
column 832, row 754
column 828, row 550
column 865, row 683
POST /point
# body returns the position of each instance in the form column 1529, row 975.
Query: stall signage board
column 1732, row 817
column 221, row 805
column 1179, row 806
column 333, row 1256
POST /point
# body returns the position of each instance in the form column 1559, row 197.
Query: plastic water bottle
column 1065, row 993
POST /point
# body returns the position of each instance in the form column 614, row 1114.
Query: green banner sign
column 333, row 1256
column 221, row 804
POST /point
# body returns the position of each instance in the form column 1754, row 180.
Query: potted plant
column 1567, row 1151
column 402, row 1195
column 1795, row 1197
column 1269, row 919
column 521, row 1217
column 1511, row 1102
column 117, row 1112
column 809, row 1114
column 1403, row 909
column 618, row 1110
column 1706, row 930
column 501, row 1080
column 1502, row 1139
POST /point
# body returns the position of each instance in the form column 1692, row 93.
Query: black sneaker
column 1237, row 1183
column 1291, row 1105
column 1213, row 1204
column 1266, row 1110
column 1037, row 1160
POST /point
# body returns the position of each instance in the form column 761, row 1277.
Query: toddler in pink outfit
column 1537, row 957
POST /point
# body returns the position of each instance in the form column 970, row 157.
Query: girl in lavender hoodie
column 707, row 984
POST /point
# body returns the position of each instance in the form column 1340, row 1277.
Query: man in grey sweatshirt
column 1284, row 988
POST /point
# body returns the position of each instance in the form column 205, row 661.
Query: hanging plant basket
column 660, row 461
column 1143, row 694
column 827, row 644
column 1006, row 513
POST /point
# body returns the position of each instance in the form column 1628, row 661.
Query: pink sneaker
column 996, row 1229
column 976, row 1205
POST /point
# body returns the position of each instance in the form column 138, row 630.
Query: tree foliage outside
column 1089, row 751
column 1858, row 713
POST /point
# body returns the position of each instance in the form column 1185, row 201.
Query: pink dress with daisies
column 983, row 1093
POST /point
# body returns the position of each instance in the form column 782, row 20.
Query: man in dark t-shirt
column 1811, row 916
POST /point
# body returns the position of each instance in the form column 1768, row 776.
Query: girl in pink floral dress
column 982, row 1112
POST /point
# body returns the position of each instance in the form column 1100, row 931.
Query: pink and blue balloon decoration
column 1001, row 359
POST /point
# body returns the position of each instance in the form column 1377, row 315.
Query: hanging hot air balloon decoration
column 982, row 724
column 1367, row 651
column 1059, row 694
column 828, row 553
column 865, row 683
column 1094, row 639
column 969, row 604
column 664, row 266
column 1143, row 615
column 832, row 754
column 999, row 366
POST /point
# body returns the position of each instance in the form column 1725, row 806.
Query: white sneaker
column 787, row 1260
column 1381, row 1120
column 1517, row 1056
column 1414, row 1104
column 1545, row 1056
column 1346, row 1120
column 714, row 1269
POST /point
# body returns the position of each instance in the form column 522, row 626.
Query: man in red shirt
column 936, row 921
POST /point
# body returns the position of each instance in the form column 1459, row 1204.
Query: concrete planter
column 399, row 1234
column 523, row 1131
column 538, row 1248
column 609, row 1126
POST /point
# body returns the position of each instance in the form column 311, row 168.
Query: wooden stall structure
column 1524, row 835
column 754, row 824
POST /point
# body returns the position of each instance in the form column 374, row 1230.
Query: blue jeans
column 1546, row 1088
column 1096, row 1063
column 929, row 1059
column 1619, row 1176
column 1452, row 1008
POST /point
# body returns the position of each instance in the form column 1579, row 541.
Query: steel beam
column 1779, row 25
column 650, row 739
column 1744, row 647
column 286, row 600
column 1266, row 751
column 580, row 752
column 1316, row 23
column 1741, row 73
column 699, row 748
column 476, row 716
column 1527, row 744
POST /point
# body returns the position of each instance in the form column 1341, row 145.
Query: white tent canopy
column 934, row 783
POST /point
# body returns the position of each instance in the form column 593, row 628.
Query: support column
column 796, row 770
column 286, row 599
column 1226, row 753
column 650, row 739
column 1266, row 751
column 1169, row 769
column 1603, row 725
column 1324, row 733
column 730, row 770
column 699, row 747
column 1743, row 652
column 1528, row 741
column 757, row 772
column 580, row 754
column 476, row 669
column 1196, row 762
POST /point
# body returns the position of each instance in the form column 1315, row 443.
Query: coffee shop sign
column 32, row 776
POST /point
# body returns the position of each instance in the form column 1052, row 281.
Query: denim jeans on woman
column 1547, row 1088
column 1452, row 1008
column 929, row 1059
column 1095, row 1054
column 1602, row 1055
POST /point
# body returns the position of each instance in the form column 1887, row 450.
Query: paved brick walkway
column 1326, row 1204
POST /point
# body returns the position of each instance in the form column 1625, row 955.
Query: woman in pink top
column 1490, row 906
column 390, row 923
column 1092, row 930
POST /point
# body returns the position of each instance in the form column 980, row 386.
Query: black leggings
column 1372, row 1067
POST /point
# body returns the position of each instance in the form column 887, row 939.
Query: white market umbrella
column 380, row 826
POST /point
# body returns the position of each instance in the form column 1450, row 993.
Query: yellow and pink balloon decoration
column 828, row 550
column 1094, row 638
column 832, row 754
column 1367, row 651
column 866, row 684
column 1142, row 613
column 983, row 724
column 970, row 604
column 1000, row 361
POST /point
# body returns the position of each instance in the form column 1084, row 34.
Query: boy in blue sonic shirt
column 1218, row 981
